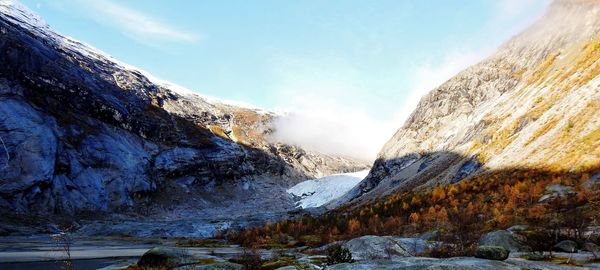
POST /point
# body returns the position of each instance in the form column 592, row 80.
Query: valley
column 104, row 166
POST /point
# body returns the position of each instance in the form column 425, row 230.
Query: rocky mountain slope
column 535, row 103
column 82, row 133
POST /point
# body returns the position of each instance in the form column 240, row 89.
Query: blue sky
column 333, row 62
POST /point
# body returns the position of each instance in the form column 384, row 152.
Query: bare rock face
column 535, row 103
column 376, row 247
column 505, row 239
column 81, row 133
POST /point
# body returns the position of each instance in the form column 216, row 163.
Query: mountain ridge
column 509, row 110
column 86, row 134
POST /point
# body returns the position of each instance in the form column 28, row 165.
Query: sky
column 347, row 73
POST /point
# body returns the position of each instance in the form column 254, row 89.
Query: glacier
column 320, row 191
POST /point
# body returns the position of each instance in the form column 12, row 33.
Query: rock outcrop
column 505, row 239
column 81, row 133
column 413, row 263
column 165, row 258
column 535, row 103
column 375, row 247
column 566, row 246
column 370, row 247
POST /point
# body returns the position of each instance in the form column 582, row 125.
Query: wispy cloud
column 135, row 24
column 329, row 115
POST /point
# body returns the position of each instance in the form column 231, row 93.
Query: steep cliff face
column 535, row 103
column 81, row 132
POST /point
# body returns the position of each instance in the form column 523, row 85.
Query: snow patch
column 320, row 191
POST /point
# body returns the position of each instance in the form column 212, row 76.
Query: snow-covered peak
column 17, row 13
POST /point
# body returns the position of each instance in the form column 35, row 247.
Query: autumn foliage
column 460, row 212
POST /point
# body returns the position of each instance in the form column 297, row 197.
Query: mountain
column 84, row 135
column 507, row 151
column 535, row 103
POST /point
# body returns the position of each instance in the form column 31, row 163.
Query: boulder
column 510, row 241
column 492, row 253
column 165, row 258
column 414, row 246
column 566, row 246
column 376, row 247
column 556, row 190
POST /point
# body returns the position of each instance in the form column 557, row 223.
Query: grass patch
column 217, row 130
column 592, row 137
column 542, row 70
column 542, row 130
column 565, row 261
column 279, row 262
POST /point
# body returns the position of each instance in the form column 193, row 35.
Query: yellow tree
column 442, row 216
column 413, row 218
column 353, row 226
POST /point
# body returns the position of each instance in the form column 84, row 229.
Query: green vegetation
column 338, row 254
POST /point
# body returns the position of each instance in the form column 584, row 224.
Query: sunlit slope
column 535, row 103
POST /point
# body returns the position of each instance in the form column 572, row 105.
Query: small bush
column 338, row 254
column 440, row 250
column 250, row 260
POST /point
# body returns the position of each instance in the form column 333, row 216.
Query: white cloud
column 330, row 115
column 135, row 24
column 326, row 111
column 329, row 126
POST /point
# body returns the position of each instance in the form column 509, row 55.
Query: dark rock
column 566, row 246
column 492, row 253
column 466, row 169
column 165, row 258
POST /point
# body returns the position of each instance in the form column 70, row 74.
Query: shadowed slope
column 83, row 133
